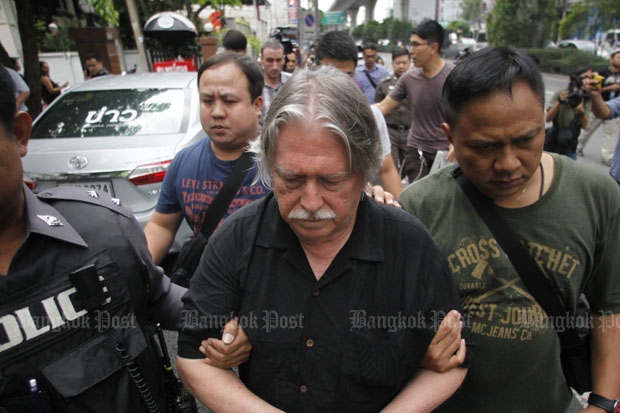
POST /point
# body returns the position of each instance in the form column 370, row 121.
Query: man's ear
column 21, row 130
column 258, row 105
column 446, row 129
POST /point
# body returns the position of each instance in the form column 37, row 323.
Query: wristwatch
column 611, row 406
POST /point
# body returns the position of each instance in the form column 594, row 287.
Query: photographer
column 610, row 89
column 568, row 112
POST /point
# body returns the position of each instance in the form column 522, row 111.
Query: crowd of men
column 324, row 292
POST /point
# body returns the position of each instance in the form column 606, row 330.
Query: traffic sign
column 310, row 30
column 334, row 17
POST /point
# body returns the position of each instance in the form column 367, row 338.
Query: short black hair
column 490, row 70
column 337, row 46
column 247, row 65
column 398, row 52
column 93, row 56
column 369, row 45
column 7, row 100
column 235, row 40
column 431, row 31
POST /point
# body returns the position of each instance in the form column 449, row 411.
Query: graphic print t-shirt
column 193, row 180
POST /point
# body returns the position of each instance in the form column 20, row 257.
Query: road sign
column 334, row 17
column 309, row 26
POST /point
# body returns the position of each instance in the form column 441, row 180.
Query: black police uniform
column 398, row 120
column 74, row 309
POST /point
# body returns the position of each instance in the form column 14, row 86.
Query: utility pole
column 137, row 33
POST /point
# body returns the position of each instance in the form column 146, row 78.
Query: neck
column 227, row 154
column 433, row 67
column 532, row 190
column 272, row 81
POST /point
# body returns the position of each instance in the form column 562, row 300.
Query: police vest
column 75, row 320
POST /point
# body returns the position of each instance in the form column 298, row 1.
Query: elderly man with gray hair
column 339, row 318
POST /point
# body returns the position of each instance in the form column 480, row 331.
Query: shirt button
column 310, row 343
column 316, row 293
column 303, row 389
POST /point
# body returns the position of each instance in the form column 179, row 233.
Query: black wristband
column 610, row 406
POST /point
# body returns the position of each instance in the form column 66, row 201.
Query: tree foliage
column 472, row 10
column 575, row 22
column 392, row 29
column 461, row 27
column 371, row 31
column 608, row 12
column 105, row 9
column 520, row 23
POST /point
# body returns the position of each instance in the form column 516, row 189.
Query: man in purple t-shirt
column 422, row 86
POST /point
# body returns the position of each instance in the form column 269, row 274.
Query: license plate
column 105, row 186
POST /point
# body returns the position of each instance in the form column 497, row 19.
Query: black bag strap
column 224, row 197
column 372, row 82
column 536, row 282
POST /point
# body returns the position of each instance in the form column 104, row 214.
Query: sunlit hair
column 330, row 98
column 488, row 71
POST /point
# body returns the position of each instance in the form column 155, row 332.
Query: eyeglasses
column 415, row 45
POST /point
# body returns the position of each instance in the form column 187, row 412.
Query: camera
column 576, row 93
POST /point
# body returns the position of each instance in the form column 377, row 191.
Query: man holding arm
column 494, row 106
column 309, row 285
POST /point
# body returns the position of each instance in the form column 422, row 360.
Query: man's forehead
column 273, row 52
column 228, row 72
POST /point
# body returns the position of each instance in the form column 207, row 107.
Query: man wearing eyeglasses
column 369, row 75
column 422, row 86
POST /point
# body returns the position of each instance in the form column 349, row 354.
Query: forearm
column 387, row 105
column 599, row 108
column 427, row 390
column 552, row 112
column 605, row 356
column 159, row 240
column 219, row 389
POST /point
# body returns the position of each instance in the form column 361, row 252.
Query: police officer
column 399, row 120
column 77, row 292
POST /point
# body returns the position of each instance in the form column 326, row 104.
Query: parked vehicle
column 583, row 45
column 116, row 134
column 610, row 42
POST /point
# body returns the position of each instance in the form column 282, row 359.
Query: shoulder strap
column 372, row 82
column 224, row 197
column 536, row 282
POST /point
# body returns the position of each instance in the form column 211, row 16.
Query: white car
column 116, row 134
column 583, row 45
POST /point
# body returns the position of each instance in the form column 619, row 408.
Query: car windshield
column 113, row 113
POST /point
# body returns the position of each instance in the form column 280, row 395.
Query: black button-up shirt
column 349, row 341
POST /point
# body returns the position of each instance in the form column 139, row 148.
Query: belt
column 398, row 127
